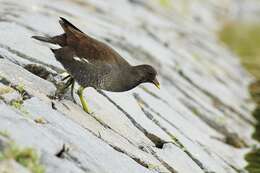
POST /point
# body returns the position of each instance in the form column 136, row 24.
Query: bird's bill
column 156, row 83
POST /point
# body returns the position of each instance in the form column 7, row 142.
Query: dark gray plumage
column 94, row 64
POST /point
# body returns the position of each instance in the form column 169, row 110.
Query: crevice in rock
column 144, row 164
column 166, row 165
column 62, row 152
column 53, row 106
column 231, row 138
column 230, row 165
column 155, row 37
column 176, row 141
column 38, row 70
column 31, row 59
column 154, row 95
column 56, row 79
column 19, row 88
column 137, row 160
column 102, row 123
column 4, row 81
column 77, row 162
column 151, row 117
column 158, row 142
column 215, row 99
column 138, row 52
column 60, row 11
column 191, row 106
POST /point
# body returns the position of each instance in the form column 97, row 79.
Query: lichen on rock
column 200, row 120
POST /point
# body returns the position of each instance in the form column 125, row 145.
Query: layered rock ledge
column 200, row 121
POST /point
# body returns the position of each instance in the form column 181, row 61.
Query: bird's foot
column 60, row 91
column 63, row 88
column 82, row 100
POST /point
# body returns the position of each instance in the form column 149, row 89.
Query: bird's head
column 147, row 73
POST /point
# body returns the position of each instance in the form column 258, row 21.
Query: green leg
column 82, row 100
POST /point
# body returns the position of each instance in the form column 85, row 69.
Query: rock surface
column 10, row 166
column 200, row 121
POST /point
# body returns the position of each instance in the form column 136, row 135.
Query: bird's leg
column 82, row 100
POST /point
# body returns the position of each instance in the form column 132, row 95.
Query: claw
column 62, row 90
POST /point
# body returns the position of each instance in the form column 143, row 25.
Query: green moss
column 244, row 40
column 20, row 88
column 195, row 111
column 27, row 157
column 177, row 142
column 153, row 167
column 165, row 3
column 18, row 104
column 4, row 134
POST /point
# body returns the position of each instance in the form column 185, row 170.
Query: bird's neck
column 133, row 78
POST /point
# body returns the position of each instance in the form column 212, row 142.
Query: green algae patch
column 27, row 157
column 165, row 3
column 18, row 104
column 254, row 159
column 4, row 133
column 244, row 40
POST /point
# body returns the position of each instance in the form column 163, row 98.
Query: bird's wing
column 78, row 67
column 89, row 48
column 67, row 26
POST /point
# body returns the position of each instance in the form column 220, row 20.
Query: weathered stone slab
column 200, row 120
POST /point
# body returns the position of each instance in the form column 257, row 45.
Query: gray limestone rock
column 200, row 121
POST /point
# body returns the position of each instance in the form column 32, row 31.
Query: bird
column 93, row 63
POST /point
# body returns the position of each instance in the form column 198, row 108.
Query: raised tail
column 65, row 24
column 44, row 39
column 59, row 39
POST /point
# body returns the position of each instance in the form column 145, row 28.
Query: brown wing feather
column 89, row 48
column 95, row 52
column 64, row 22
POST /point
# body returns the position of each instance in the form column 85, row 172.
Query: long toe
column 72, row 91
column 66, row 77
